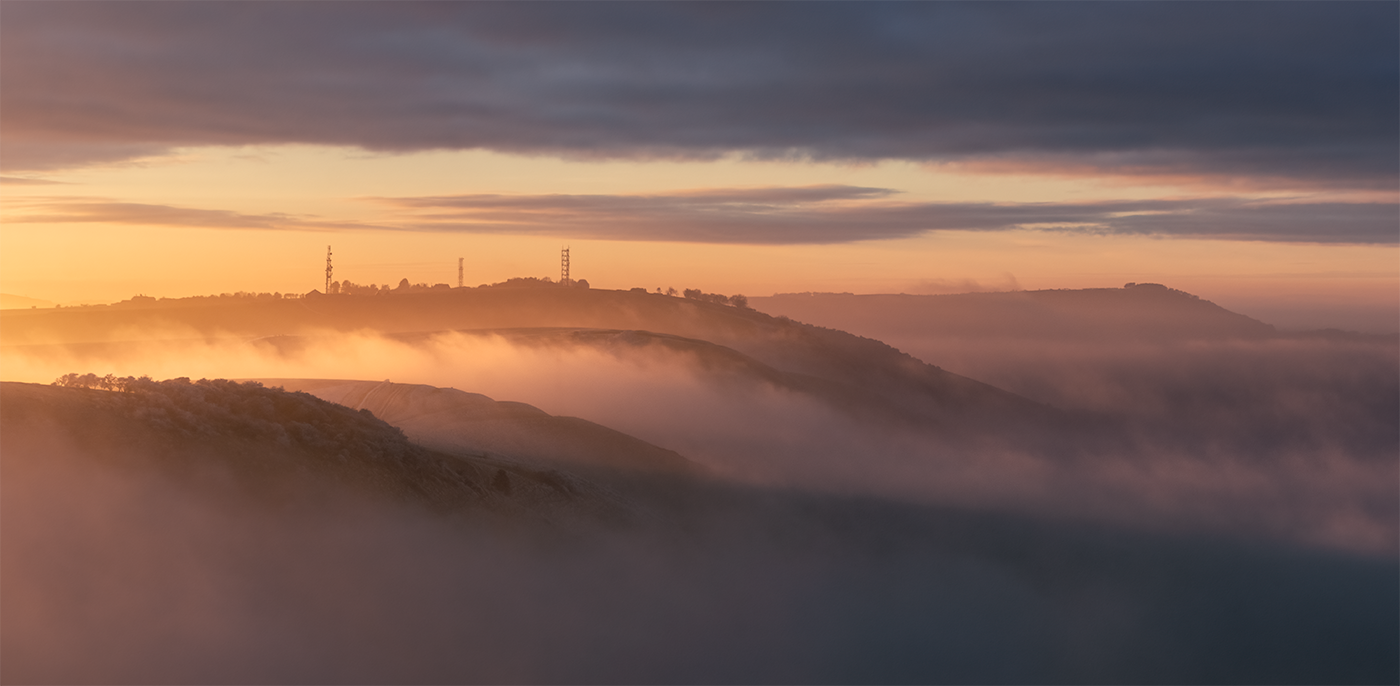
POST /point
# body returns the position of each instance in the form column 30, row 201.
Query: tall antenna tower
column 459, row 272
column 564, row 267
column 328, row 270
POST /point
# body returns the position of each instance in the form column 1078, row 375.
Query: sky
column 1244, row 152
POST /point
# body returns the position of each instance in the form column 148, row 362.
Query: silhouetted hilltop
column 434, row 310
column 271, row 442
column 1136, row 311
column 858, row 364
column 459, row 422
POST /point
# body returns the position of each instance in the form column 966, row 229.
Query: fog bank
column 1222, row 439
column 114, row 576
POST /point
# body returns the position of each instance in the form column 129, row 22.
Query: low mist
column 119, row 576
column 1288, row 440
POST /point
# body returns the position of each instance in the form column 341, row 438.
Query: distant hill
column 16, row 302
column 1134, row 312
column 459, row 422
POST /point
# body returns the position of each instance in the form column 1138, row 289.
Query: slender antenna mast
column 459, row 272
column 328, row 270
column 564, row 267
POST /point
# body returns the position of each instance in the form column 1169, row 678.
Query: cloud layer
column 838, row 214
column 1302, row 90
column 773, row 216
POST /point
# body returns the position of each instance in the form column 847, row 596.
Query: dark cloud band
column 1303, row 90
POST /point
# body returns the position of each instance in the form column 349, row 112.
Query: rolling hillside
column 458, row 422
column 864, row 371
column 1136, row 312
column 230, row 438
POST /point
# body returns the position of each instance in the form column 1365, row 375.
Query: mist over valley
column 530, row 481
column 619, row 459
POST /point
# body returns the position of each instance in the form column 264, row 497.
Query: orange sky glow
column 325, row 190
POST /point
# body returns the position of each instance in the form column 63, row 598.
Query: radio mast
column 564, row 267
column 328, row 270
column 459, row 272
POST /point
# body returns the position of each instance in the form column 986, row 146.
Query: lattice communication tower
column 459, row 271
column 328, row 270
column 564, row 267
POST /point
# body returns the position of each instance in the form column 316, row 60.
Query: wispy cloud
column 104, row 211
column 766, row 216
column 837, row 214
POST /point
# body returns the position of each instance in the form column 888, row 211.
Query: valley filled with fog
column 562, row 484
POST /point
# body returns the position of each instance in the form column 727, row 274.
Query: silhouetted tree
column 531, row 281
column 110, row 382
column 716, row 298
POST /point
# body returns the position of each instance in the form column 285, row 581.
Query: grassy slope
column 271, row 443
column 455, row 421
